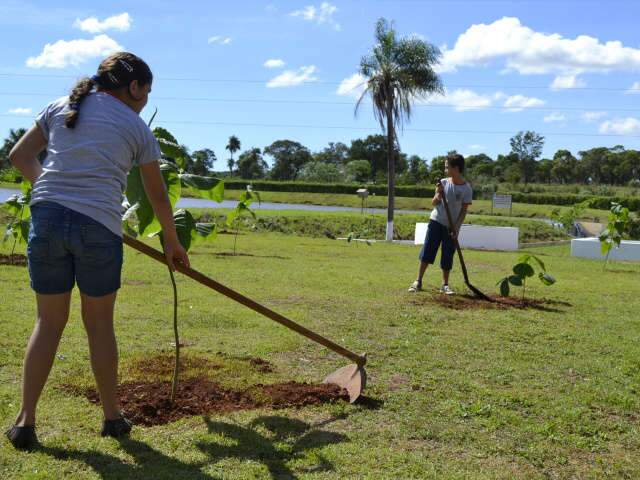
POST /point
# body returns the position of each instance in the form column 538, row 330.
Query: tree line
column 365, row 160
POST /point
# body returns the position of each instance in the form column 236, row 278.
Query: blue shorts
column 438, row 234
column 66, row 247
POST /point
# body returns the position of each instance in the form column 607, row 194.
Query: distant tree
column 289, row 156
column 335, row 153
column 527, row 146
column 233, row 145
column 320, row 172
column 8, row 144
column 543, row 171
column 251, row 165
column 436, row 171
column 358, row 171
column 480, row 165
column 398, row 71
column 202, row 161
column 564, row 167
column 418, row 170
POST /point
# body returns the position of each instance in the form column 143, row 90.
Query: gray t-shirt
column 86, row 167
column 457, row 195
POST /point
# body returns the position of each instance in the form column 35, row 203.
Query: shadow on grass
column 273, row 441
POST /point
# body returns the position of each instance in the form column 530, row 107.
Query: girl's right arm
column 24, row 155
column 157, row 194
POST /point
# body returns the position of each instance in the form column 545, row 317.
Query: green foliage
column 523, row 270
column 618, row 228
column 315, row 171
column 17, row 206
column 568, row 216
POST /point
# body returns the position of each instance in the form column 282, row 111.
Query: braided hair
column 115, row 72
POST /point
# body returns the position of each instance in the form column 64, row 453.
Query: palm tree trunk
column 391, row 170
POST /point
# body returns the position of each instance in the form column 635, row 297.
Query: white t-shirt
column 457, row 195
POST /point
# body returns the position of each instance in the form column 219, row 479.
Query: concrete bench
column 590, row 248
column 478, row 236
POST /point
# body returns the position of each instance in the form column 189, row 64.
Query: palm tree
column 398, row 71
column 233, row 146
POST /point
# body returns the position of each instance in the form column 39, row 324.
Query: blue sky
column 558, row 67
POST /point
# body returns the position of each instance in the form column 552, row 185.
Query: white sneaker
column 416, row 286
column 446, row 290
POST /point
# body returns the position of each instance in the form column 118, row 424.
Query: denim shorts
column 66, row 247
column 438, row 234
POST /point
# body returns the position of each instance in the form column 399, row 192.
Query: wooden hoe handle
column 246, row 301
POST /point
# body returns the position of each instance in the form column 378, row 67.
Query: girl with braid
column 93, row 138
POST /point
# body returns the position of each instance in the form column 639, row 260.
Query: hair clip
column 126, row 65
column 113, row 78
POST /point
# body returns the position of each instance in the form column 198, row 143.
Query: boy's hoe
column 352, row 378
column 462, row 265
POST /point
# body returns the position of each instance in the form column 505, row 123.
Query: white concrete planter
column 590, row 248
column 479, row 236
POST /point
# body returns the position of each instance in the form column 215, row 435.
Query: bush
column 11, row 175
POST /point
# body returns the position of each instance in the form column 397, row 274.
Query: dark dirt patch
column 16, row 259
column 261, row 365
column 465, row 302
column 147, row 403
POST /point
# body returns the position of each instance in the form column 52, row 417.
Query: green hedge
column 599, row 202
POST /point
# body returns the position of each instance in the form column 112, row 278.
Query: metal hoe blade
column 352, row 378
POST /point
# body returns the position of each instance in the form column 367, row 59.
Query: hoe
column 352, row 378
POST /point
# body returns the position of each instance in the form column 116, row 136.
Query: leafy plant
column 521, row 272
column 18, row 207
column 568, row 216
column 172, row 164
column 619, row 226
column 242, row 208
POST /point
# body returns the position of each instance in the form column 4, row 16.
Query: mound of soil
column 16, row 259
column 148, row 403
column 464, row 302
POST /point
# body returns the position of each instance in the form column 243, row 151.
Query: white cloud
column 291, row 78
column 120, row 22
column 217, row 39
column 516, row 103
column 274, row 63
column 476, row 147
column 621, row 126
column 593, row 116
column 20, row 111
column 635, row 88
column 554, row 117
column 320, row 15
column 529, row 52
column 462, row 100
column 567, row 81
column 74, row 52
column 352, row 86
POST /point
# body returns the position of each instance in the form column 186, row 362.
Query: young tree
column 233, row 145
column 335, row 153
column 527, row 146
column 398, row 70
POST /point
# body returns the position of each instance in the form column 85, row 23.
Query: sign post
column 502, row 201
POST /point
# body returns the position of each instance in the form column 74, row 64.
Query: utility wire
column 329, row 102
column 342, row 127
column 324, row 82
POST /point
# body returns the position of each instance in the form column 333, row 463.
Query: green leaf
column 523, row 270
column 524, row 258
column 185, row 227
column 605, row 246
column 350, row 237
column 211, row 188
column 170, row 147
column 546, row 279
column 515, row 280
column 504, row 287
column 129, row 230
column 539, row 262
column 208, row 231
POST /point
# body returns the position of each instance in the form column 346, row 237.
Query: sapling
column 619, row 226
column 521, row 272
column 242, row 208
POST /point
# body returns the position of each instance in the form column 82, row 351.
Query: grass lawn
column 475, row 393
